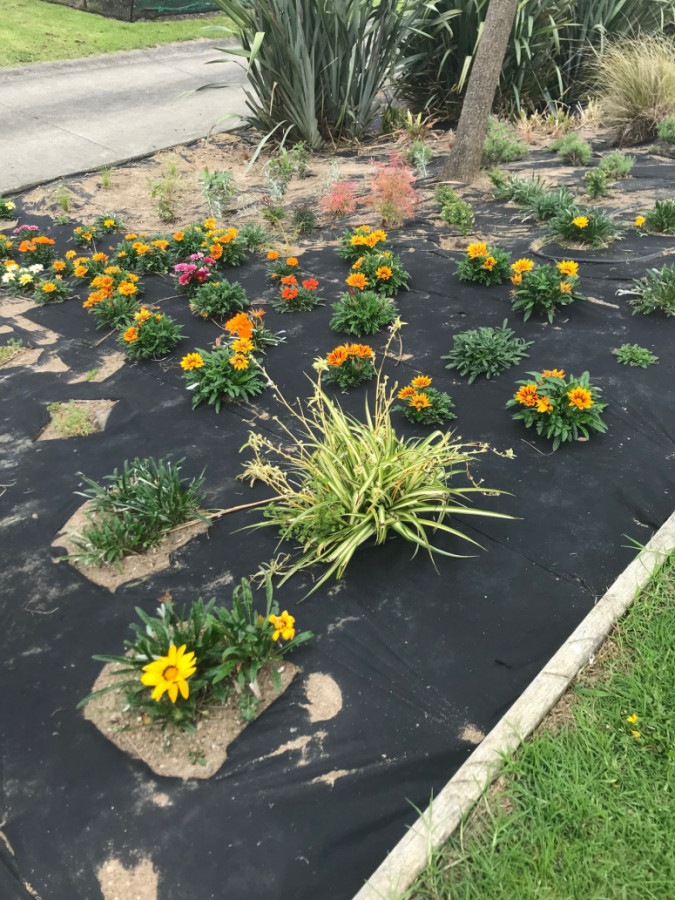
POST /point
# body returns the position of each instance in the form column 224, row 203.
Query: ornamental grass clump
column 347, row 483
column 541, row 290
column 350, row 365
column 227, row 374
column 214, row 299
column 661, row 219
column 134, row 510
column 635, row 355
column 50, row 290
column 181, row 662
column 151, row 336
column 297, row 297
column 362, row 312
column 655, row 292
column 486, row 352
column 561, row 408
column 546, row 205
column 361, row 241
column 453, row 210
column 484, row 265
column 583, row 225
column 423, row 404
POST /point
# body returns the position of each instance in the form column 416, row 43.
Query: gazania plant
column 228, row 374
column 360, row 241
column 6, row 245
column 144, row 256
column 7, row 208
column 180, row 662
column 249, row 325
column 33, row 248
column 423, row 404
column 350, row 365
column 215, row 299
column 51, row 290
column 16, row 279
column 381, row 272
column 362, row 312
column 583, row 225
column 484, row 265
column 541, row 290
column 191, row 274
column 559, row 407
column 280, row 266
column 224, row 245
column 346, row 483
column 297, row 297
column 151, row 336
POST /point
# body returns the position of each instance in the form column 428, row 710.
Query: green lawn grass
column 587, row 813
column 33, row 31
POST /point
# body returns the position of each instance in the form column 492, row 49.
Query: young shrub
column 392, row 193
column 273, row 213
column 279, row 174
column 227, row 374
column 214, row 299
column 486, row 352
column 219, row 190
column 178, row 664
column 249, row 326
column 635, row 355
column 596, row 183
column 50, row 290
column 280, row 267
column 350, row 365
column 134, row 510
column 483, row 265
column 7, row 208
column 616, row 165
column 572, row 150
column 655, row 292
column 661, row 219
column 254, row 236
column 300, row 156
column 501, row 144
column 381, row 272
column 635, row 81
column 665, row 129
column 548, row 204
column 303, row 220
column 419, row 155
column 152, row 336
column 362, row 312
column 360, row 241
column 561, row 408
column 518, row 190
column 296, row 297
column 542, row 289
column 424, row 405
column 346, row 483
column 164, row 191
column 339, row 200
column 584, row 225
column 453, row 210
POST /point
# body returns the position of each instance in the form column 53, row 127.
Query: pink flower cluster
column 188, row 272
column 23, row 228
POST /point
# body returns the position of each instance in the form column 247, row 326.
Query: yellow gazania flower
column 108, row 223
column 565, row 288
column 283, row 626
column 170, row 673
column 178, row 236
column 406, row 392
column 113, row 270
column 640, row 221
column 580, row 222
column 553, row 373
column 126, row 288
column 130, row 237
column 142, row 315
column 100, row 257
column 421, row 381
column 476, row 249
column 419, row 401
column 358, row 263
column 568, row 267
column 80, row 271
column 522, row 265
column 209, row 224
column 580, row 398
column 191, row 361
column 239, row 361
column 544, row 405
column 383, row 273
column 25, row 279
column 242, row 345
column 70, row 254
column 632, row 719
column 58, row 266
column 49, row 287
column 357, row 280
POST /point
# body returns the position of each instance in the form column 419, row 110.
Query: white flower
column 7, row 277
column 36, row 268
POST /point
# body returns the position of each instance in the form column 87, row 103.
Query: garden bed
column 425, row 660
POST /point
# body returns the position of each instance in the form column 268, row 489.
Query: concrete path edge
column 444, row 814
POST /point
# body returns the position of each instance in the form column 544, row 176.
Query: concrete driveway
column 64, row 118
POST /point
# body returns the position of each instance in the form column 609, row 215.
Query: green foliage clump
column 362, row 312
column 635, row 355
column 560, row 408
column 582, row 225
column 518, row 190
column 655, row 292
column 572, row 150
column 70, row 420
column 419, row 155
column 218, row 298
column 501, row 144
column 219, row 190
column 666, row 129
column 7, row 208
column 484, row 265
column 298, row 297
column 616, row 165
column 303, row 220
column 254, row 236
column 223, row 375
column 384, row 272
column 349, row 365
column 549, row 204
column 50, row 290
column 133, row 512
column 661, row 219
column 453, row 210
column 225, row 651
column 117, row 311
column 486, row 352
column 151, row 337
column 597, row 184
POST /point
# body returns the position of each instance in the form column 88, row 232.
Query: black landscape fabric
column 307, row 809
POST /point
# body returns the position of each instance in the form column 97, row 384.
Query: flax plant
column 342, row 483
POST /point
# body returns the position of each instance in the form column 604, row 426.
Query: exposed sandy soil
column 96, row 411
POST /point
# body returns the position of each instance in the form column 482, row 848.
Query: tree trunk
column 464, row 161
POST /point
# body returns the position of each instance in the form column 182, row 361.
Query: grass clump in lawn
column 586, row 809
column 635, row 355
column 655, row 292
column 486, row 351
column 133, row 512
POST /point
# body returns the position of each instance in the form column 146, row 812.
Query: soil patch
column 131, row 568
column 324, row 697
column 138, row 882
column 96, row 413
column 174, row 753
column 108, row 365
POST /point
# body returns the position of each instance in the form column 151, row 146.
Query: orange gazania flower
column 242, row 345
column 289, row 280
column 59, row 265
column 215, row 251
column 257, row 313
column 544, row 405
column 80, row 271
column 130, row 335
column 239, row 324
column 476, row 249
column 273, row 254
column 130, row 237
column 527, row 395
column 209, row 224
column 94, row 298
column 565, row 288
column 142, row 315
column 362, row 351
column 191, row 361
column 421, row 381
column 383, row 273
column 310, row 284
column 178, row 236
column 70, row 254
column 516, row 279
column 419, row 401
column 337, row 357
column 127, row 289
column 489, row 263
column 239, row 361
column 568, row 267
column 161, row 244
column 141, row 248
column 43, row 240
column 49, row 287
column 100, row 257
column 289, row 293
column 522, row 265
column 291, row 261
column 406, row 392
column 580, row 398
column 357, row 280
column 553, row 373
column 358, row 263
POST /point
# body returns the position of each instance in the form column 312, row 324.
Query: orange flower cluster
column 414, row 393
column 341, row 354
column 34, row 243
column 242, row 327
